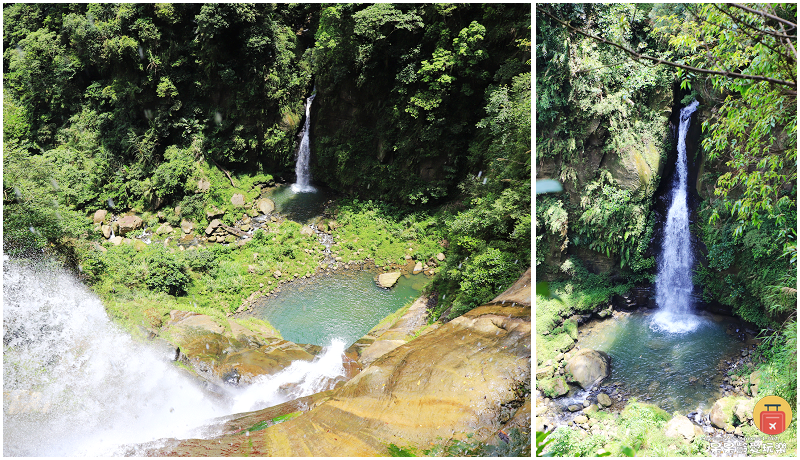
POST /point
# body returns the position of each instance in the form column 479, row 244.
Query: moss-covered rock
column 723, row 411
column 553, row 387
column 547, row 347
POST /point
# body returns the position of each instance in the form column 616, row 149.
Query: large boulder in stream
column 247, row 349
column 468, row 376
column 588, row 367
column 387, row 280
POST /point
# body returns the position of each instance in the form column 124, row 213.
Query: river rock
column 203, row 185
column 99, row 216
column 581, row 419
column 106, row 229
column 544, row 372
column 604, row 399
column 589, row 366
column 743, row 410
column 215, row 212
column 680, row 425
column 213, row 226
column 245, row 228
column 237, row 200
column 116, row 241
column 722, row 413
column 306, row 231
column 440, row 256
column 128, row 224
column 277, row 274
column 417, row 267
column 186, row 226
column 164, row 228
column 573, row 407
column 387, row 280
column 265, row 205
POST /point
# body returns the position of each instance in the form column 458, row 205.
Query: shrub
column 165, row 272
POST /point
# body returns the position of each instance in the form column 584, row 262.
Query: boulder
column 440, row 256
column 306, row 231
column 237, row 200
column 387, row 280
column 203, row 185
column 553, row 387
column 128, row 224
column 581, row 419
column 187, row 226
column 743, row 410
column 106, row 229
column 722, row 413
column 116, row 241
column 265, row 205
column 213, row 226
column 164, row 229
column 544, row 372
column 417, row 267
column 215, row 212
column 99, row 216
column 680, row 426
column 604, row 399
column 588, row 367
column 245, row 228
column 573, row 408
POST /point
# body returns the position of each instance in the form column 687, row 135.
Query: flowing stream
column 74, row 384
column 303, row 184
column 674, row 280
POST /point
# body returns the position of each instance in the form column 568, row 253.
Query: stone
column 573, row 407
column 407, row 257
column 164, row 229
column 277, row 274
column 203, row 185
column 213, row 226
column 586, row 403
column 230, row 239
column 245, row 228
column 306, row 231
column 139, row 245
column 99, row 216
column 744, row 352
column 265, row 205
column 212, row 239
column 591, row 409
column 722, row 413
column 680, row 425
column 128, row 224
column 604, row 399
column 106, row 231
column 187, row 226
column 215, row 212
column 440, row 256
column 755, row 378
column 588, row 367
column 237, row 200
column 743, row 410
column 387, row 280
column 116, row 241
column 729, row 428
column 115, row 227
column 581, row 419
column 417, row 267
column 738, row 431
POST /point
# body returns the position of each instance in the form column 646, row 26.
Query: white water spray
column 304, row 154
column 74, row 384
column 674, row 281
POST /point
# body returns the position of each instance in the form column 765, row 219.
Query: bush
column 165, row 272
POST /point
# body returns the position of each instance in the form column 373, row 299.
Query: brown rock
column 588, row 367
column 99, row 216
column 128, row 224
column 213, row 226
column 387, row 280
column 237, row 200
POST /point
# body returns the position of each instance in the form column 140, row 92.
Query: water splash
column 674, row 282
column 301, row 378
column 74, row 384
column 304, row 155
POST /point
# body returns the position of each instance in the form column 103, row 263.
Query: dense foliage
column 131, row 107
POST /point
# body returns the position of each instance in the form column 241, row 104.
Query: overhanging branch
column 656, row 60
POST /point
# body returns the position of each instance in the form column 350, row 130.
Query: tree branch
column 766, row 15
column 656, row 60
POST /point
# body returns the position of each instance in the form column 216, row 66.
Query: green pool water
column 340, row 305
column 299, row 207
column 661, row 367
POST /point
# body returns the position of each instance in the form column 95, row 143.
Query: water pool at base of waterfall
column 343, row 305
column 675, row 371
column 300, row 207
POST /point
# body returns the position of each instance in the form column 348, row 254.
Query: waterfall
column 674, row 280
column 304, row 154
column 76, row 385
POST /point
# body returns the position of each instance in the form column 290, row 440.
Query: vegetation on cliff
column 422, row 121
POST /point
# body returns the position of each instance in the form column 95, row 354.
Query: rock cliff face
column 471, row 375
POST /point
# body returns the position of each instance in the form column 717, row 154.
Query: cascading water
column 674, row 281
column 304, row 154
column 74, row 384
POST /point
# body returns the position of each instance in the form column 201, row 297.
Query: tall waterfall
column 304, row 155
column 75, row 385
column 674, row 280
